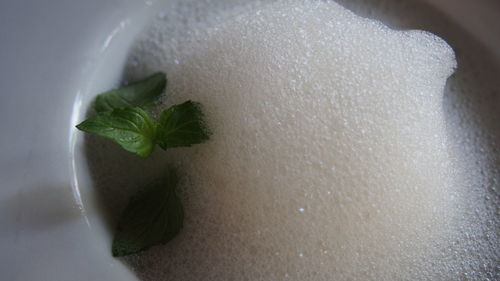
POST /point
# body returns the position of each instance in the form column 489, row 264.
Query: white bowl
column 55, row 55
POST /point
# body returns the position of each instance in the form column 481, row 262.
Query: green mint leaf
column 133, row 128
column 136, row 94
column 153, row 216
column 182, row 125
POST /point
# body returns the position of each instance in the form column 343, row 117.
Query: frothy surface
column 329, row 154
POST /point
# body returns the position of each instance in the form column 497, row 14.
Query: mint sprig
column 132, row 128
column 155, row 214
column 120, row 118
column 182, row 125
column 140, row 93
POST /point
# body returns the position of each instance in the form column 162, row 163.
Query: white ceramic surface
column 50, row 52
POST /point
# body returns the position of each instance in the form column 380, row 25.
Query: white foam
column 329, row 156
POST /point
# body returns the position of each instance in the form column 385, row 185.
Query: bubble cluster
column 331, row 155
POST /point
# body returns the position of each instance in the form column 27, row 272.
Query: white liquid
column 329, row 158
